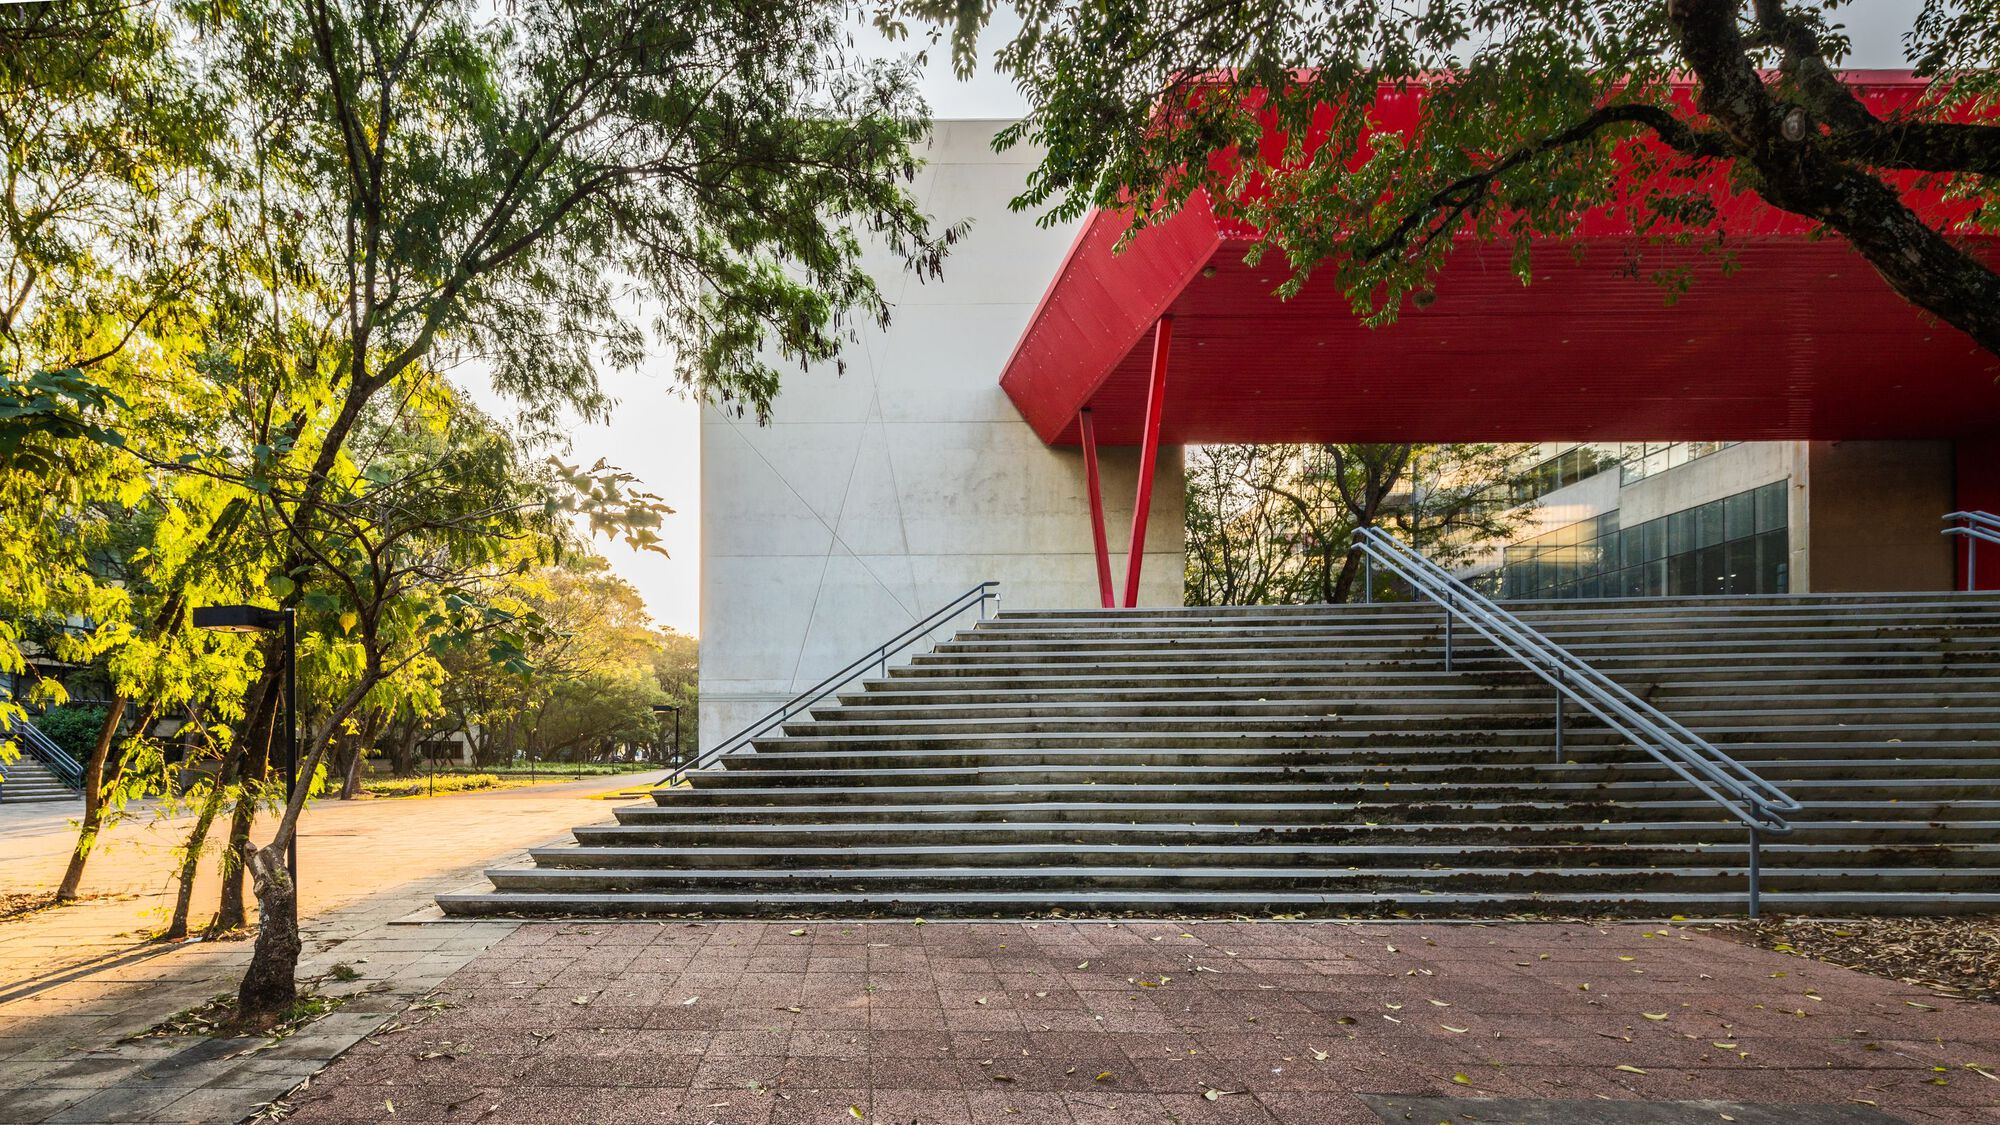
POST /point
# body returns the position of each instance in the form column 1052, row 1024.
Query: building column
column 1149, row 450
column 1097, row 535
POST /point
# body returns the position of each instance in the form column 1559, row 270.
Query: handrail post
column 1754, row 873
column 1367, row 578
column 1560, row 675
column 1451, row 600
column 1971, row 563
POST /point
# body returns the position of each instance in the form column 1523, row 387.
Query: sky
column 655, row 431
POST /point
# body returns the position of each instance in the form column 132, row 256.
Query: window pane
column 1708, row 527
column 1681, row 575
column 1711, row 571
column 1680, row 533
column 1771, row 505
column 1741, row 558
column 1739, row 515
column 1655, row 532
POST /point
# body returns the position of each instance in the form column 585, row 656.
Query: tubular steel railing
column 24, row 734
column 1975, row 528
column 1758, row 804
column 877, row 659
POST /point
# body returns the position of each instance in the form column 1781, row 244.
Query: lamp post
column 663, row 708
column 259, row 619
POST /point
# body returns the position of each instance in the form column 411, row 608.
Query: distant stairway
column 1320, row 761
column 34, row 774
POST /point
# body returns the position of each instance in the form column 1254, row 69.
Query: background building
column 874, row 497
column 1639, row 519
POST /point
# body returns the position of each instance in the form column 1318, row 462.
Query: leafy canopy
column 1529, row 112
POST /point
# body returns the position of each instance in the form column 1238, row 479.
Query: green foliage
column 1271, row 524
column 425, row 786
column 74, row 729
column 1530, row 123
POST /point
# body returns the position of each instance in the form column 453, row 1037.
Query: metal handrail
column 1739, row 790
column 878, row 658
column 58, row 760
column 1975, row 528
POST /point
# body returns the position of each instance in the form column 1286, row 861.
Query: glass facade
column 1634, row 460
column 1641, row 459
column 1735, row 545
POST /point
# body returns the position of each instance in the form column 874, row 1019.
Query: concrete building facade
column 1641, row 519
column 874, row 497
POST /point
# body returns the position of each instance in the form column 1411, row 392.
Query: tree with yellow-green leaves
column 338, row 207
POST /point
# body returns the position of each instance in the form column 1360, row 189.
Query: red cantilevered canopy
column 1802, row 341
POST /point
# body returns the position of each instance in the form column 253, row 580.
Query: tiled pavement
column 75, row 982
column 1145, row 1022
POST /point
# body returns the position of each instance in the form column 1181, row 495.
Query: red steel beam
column 1096, row 509
column 1149, row 451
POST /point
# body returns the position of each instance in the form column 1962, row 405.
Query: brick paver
column 75, row 982
column 1143, row 1022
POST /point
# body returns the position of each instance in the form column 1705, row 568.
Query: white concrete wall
column 875, row 497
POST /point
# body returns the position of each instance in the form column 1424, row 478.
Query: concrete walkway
column 76, row 981
column 746, row 1023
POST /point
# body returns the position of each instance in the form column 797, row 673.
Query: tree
column 1273, row 524
column 1530, row 116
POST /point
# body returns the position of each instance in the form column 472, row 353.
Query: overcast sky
column 655, row 432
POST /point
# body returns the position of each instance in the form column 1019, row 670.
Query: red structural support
column 1096, row 509
column 1149, row 451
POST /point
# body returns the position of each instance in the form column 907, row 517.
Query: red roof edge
column 1098, row 306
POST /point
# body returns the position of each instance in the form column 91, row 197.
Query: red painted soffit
column 1802, row 341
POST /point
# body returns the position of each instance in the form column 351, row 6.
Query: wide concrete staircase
column 1320, row 761
column 25, row 779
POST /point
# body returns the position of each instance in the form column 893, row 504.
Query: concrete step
column 1321, row 760
column 902, row 827
column 1604, row 880
column 1285, row 854
column 1100, row 903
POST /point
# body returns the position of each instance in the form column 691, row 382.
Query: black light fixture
column 663, row 708
column 262, row 619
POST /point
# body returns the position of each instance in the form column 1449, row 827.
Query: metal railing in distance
column 43, row 749
column 877, row 659
column 1975, row 528
column 1761, row 806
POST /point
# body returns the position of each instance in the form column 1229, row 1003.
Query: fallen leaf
column 1458, row 1030
column 1628, row 1069
column 1317, row 1053
column 1105, row 1077
column 1654, row 1016
column 802, row 933
column 689, row 1001
column 1461, row 1079
column 855, row 1112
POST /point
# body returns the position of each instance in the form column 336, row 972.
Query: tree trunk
column 270, row 986
column 94, row 780
column 191, row 859
column 93, row 801
column 229, row 912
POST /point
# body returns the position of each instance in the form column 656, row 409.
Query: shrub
column 422, row 786
column 74, row 729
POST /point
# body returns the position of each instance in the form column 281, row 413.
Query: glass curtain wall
column 1736, row 545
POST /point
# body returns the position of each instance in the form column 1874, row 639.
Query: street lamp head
column 663, row 708
column 238, row 618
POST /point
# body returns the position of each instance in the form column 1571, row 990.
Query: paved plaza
column 898, row 1022
column 894, row 1022
column 76, row 982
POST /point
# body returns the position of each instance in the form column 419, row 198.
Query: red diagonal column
column 1096, row 509
column 1149, row 451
